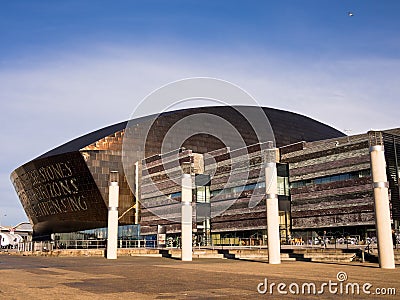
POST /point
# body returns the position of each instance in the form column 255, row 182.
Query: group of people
column 323, row 240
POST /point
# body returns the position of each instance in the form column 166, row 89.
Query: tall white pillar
column 112, row 229
column 271, row 186
column 382, row 208
column 186, row 217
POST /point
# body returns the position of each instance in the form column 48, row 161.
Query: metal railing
column 327, row 242
column 45, row 246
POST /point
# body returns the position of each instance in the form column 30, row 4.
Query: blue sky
column 70, row 67
column 296, row 28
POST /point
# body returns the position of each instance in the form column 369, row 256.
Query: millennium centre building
column 324, row 177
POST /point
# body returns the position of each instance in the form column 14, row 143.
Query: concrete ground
column 165, row 278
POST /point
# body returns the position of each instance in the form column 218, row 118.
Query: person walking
column 324, row 240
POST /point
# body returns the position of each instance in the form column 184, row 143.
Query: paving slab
column 133, row 277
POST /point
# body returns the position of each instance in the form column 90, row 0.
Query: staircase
column 197, row 253
column 373, row 257
column 251, row 254
column 322, row 255
column 301, row 254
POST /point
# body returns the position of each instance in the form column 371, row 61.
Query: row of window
column 332, row 178
column 238, row 189
column 283, row 184
column 283, row 189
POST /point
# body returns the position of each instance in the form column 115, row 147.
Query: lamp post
column 137, row 196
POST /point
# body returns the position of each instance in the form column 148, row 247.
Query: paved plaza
column 165, row 278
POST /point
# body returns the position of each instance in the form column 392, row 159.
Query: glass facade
column 95, row 238
column 203, row 210
column 392, row 156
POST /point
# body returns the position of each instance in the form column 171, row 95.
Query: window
column 332, row 178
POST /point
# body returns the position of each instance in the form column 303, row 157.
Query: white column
column 382, row 208
column 112, row 229
column 271, row 185
column 186, row 217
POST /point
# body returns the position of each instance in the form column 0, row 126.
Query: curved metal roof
column 288, row 128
